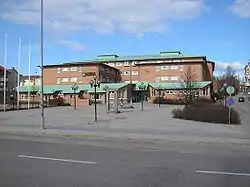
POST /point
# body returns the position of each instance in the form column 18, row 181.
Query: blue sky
column 83, row 29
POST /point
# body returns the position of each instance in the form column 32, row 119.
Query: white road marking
column 57, row 159
column 224, row 173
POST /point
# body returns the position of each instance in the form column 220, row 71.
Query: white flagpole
column 5, row 71
column 29, row 76
column 18, row 69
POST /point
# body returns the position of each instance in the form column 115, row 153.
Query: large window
column 73, row 79
column 126, row 63
column 65, row 79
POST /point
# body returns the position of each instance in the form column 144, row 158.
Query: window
column 65, row 79
column 181, row 67
column 157, row 68
column 79, row 79
column 174, row 78
column 135, row 73
column 111, row 64
column 126, row 63
column 58, row 80
column 73, row 69
column 126, row 72
column 80, row 69
column 102, row 68
column 157, row 79
column 133, row 63
column 174, row 67
column 164, row 67
column 65, row 69
column 73, row 79
column 164, row 78
column 119, row 63
column 58, row 70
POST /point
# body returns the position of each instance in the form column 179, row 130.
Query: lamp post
column 159, row 95
column 74, row 87
column 95, row 83
column 142, row 87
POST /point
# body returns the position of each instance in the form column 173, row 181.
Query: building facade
column 163, row 74
column 11, row 84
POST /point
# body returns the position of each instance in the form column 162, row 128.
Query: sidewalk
column 153, row 124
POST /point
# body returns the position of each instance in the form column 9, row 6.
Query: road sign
column 230, row 101
column 230, row 90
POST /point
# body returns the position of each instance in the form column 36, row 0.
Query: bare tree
column 189, row 87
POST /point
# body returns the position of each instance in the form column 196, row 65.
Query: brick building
column 162, row 74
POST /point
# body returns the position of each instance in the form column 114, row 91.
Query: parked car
column 241, row 99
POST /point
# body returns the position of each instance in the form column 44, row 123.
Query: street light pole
column 41, row 65
column 74, row 88
column 95, row 83
column 142, row 87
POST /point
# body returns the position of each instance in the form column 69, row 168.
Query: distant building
column 247, row 77
column 11, row 85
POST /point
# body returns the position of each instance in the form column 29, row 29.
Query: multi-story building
column 162, row 73
column 11, row 84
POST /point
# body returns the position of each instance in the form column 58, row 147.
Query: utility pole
column 41, row 64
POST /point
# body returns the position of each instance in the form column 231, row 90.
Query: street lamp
column 95, row 83
column 74, row 87
column 159, row 95
column 142, row 87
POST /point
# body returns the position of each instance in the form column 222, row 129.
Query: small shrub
column 207, row 113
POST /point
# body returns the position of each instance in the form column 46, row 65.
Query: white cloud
column 241, row 8
column 73, row 45
column 237, row 66
column 103, row 16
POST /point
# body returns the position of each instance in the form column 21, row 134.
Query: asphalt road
column 30, row 163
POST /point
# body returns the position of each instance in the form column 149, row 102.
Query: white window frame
column 75, row 79
column 112, row 64
column 157, row 68
column 174, row 78
column 65, row 69
column 165, row 78
column 127, row 63
column 126, row 73
column 135, row 72
column 118, row 64
column 58, row 70
column 164, row 67
column 157, row 79
column 73, row 68
column 58, row 80
column 64, row 79
column 174, row 67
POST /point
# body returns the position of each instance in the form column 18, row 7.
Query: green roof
column 116, row 58
column 177, row 86
column 23, row 89
column 66, row 89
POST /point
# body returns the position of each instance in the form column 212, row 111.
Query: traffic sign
column 230, row 101
column 230, row 90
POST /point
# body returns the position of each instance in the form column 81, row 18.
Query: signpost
column 230, row 90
